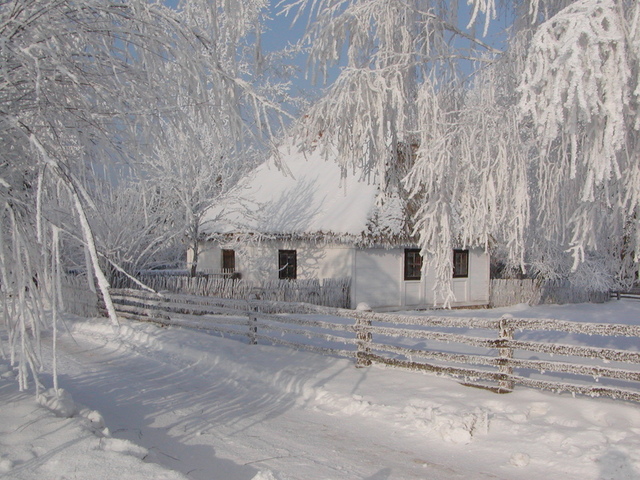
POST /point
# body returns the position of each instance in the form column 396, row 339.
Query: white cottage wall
column 479, row 277
column 376, row 277
column 377, row 274
column 472, row 290
column 426, row 283
column 378, row 280
column 209, row 257
column 258, row 262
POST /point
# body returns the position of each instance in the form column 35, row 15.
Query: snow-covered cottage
column 302, row 218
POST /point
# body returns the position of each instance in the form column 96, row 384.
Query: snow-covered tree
column 129, row 238
column 193, row 170
column 581, row 92
column 530, row 150
column 84, row 88
column 399, row 84
column 386, row 50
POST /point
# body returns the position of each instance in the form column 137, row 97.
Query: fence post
column 506, row 354
column 363, row 339
column 253, row 328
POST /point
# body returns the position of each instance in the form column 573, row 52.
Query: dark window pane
column 460, row 263
column 287, row 264
column 228, row 261
column 412, row 264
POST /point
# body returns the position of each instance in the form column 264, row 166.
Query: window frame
column 412, row 267
column 228, row 260
column 460, row 259
column 287, row 270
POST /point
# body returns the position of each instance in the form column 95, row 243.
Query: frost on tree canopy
column 579, row 90
column 90, row 92
column 577, row 86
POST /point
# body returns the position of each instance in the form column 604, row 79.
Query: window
column 412, row 264
column 287, row 264
column 228, row 261
column 460, row 263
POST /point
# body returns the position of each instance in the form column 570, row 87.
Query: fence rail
column 632, row 295
column 497, row 354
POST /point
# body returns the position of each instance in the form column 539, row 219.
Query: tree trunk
column 196, row 253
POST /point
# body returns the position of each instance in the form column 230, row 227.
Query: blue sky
column 281, row 31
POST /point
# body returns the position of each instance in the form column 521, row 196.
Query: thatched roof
column 298, row 194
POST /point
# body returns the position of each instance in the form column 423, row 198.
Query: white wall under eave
column 258, row 262
column 468, row 291
column 479, row 277
column 377, row 274
column 378, row 280
column 376, row 277
column 209, row 257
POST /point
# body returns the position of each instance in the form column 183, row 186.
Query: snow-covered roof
column 306, row 195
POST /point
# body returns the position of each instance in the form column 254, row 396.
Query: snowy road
column 216, row 408
column 196, row 417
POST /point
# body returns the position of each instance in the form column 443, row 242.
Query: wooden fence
column 77, row 297
column 497, row 354
column 505, row 292
column 328, row 292
column 630, row 295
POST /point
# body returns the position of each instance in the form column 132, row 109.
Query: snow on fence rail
column 492, row 353
column 254, row 319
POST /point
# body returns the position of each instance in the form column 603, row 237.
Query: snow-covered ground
column 169, row 403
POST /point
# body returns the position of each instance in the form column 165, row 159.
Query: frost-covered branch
column 92, row 90
column 580, row 92
column 534, row 158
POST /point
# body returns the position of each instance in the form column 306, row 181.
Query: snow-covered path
column 220, row 409
column 198, row 415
